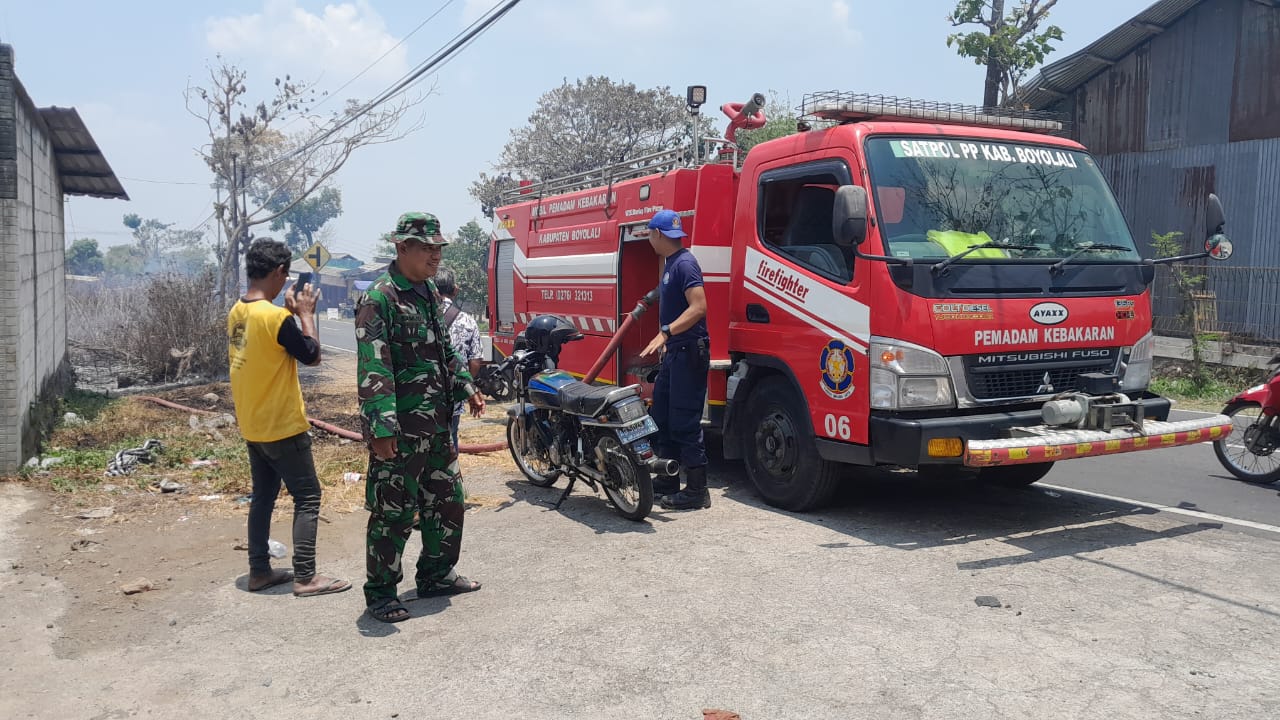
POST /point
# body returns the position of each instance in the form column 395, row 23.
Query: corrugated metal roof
column 1062, row 77
column 81, row 165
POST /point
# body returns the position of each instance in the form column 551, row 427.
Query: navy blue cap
column 668, row 222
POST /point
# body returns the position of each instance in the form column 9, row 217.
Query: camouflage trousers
column 422, row 479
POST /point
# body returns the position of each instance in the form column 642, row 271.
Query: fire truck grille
column 1023, row 382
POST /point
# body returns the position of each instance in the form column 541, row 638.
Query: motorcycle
column 564, row 427
column 1249, row 451
column 497, row 380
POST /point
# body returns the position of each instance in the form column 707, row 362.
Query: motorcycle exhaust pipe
column 663, row 466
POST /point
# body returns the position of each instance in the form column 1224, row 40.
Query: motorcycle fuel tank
column 544, row 388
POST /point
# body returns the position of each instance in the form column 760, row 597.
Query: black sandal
column 458, row 586
column 388, row 610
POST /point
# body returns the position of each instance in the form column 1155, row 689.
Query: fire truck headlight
column 908, row 376
column 884, row 389
column 921, row 392
column 1135, row 364
column 905, row 359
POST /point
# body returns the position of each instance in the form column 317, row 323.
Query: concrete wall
column 33, row 314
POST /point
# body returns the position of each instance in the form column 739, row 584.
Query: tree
column 384, row 248
column 124, row 261
column 251, row 156
column 587, row 125
column 84, row 258
column 1009, row 46
column 304, row 218
column 467, row 256
column 156, row 239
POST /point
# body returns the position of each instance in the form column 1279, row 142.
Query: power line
column 384, row 55
column 160, row 182
column 459, row 41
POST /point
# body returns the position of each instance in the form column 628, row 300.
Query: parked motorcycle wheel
column 1238, row 450
column 629, row 486
column 526, row 449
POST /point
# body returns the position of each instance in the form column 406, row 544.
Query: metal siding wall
column 1156, row 189
column 1255, row 103
column 1191, row 65
column 1113, row 107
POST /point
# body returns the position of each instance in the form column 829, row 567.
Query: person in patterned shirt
column 409, row 377
column 463, row 332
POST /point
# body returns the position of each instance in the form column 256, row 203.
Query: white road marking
column 339, row 349
column 1165, row 508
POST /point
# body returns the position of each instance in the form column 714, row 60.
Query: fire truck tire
column 780, row 456
column 1015, row 475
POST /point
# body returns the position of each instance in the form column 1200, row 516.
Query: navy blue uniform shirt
column 682, row 273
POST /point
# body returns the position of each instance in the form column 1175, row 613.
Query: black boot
column 694, row 496
column 665, row 485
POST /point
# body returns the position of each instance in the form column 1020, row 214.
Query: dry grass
column 329, row 391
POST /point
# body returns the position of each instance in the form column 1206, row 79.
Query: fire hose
column 327, row 427
column 632, row 317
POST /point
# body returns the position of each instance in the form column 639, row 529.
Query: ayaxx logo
column 1048, row 313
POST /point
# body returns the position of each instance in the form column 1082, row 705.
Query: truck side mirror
column 1216, row 244
column 1214, row 218
column 849, row 215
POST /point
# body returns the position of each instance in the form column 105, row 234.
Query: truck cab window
column 795, row 219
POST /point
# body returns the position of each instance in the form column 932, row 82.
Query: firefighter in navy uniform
column 681, row 388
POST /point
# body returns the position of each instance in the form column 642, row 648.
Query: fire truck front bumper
column 1020, row 437
column 1044, row 444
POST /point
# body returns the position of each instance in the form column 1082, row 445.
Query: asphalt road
column 1186, row 478
column 338, row 335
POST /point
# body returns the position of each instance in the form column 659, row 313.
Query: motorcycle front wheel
column 1238, row 451
column 628, row 486
column 531, row 457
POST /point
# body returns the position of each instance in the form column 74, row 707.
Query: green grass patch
column 88, row 405
column 1187, row 395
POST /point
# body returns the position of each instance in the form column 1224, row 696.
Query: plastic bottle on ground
column 276, row 549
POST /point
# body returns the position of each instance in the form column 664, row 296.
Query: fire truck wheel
column 1015, row 475
column 781, row 459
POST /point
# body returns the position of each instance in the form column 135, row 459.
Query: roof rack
column 842, row 106
column 661, row 161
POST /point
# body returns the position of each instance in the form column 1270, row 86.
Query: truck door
column 802, row 302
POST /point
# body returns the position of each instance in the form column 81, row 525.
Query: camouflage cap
column 420, row 226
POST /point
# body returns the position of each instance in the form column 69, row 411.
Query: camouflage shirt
column 402, row 368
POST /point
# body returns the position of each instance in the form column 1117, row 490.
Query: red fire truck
column 907, row 283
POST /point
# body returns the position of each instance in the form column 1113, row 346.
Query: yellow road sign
column 316, row 256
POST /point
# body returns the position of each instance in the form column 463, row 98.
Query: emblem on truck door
column 837, row 370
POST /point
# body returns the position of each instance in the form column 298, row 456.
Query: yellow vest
column 956, row 242
column 264, row 376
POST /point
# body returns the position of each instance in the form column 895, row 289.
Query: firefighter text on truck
column 913, row 285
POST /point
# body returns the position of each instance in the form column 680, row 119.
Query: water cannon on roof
column 747, row 116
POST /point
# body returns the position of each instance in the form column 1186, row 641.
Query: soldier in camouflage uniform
column 407, row 394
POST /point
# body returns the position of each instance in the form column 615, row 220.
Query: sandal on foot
column 326, row 586
column 388, row 610
column 457, row 586
column 275, row 577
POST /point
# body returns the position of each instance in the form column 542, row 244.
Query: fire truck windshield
column 942, row 197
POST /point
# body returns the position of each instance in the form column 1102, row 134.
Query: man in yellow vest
column 265, row 344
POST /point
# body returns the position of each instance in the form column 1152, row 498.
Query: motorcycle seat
column 580, row 398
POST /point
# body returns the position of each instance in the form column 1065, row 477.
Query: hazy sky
column 124, row 66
